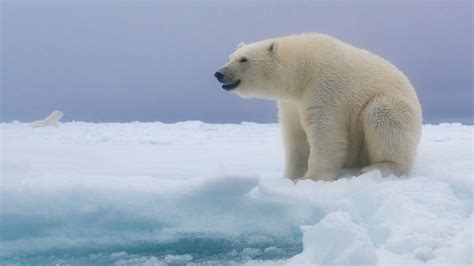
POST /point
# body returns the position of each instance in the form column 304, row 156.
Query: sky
column 103, row 61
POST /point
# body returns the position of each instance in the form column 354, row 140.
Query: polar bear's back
column 351, row 72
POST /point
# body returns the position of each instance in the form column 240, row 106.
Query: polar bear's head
column 253, row 71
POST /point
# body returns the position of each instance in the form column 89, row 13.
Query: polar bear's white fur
column 339, row 106
column 51, row 120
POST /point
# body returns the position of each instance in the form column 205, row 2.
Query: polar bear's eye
column 243, row 60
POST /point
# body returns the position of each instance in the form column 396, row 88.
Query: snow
column 190, row 192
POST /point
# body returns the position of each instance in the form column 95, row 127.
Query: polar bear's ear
column 240, row 45
column 273, row 48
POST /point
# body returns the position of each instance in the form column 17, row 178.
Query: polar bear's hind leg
column 391, row 132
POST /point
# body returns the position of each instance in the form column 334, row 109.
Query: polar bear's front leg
column 328, row 144
column 294, row 140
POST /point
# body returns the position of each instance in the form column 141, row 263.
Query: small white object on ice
column 51, row 120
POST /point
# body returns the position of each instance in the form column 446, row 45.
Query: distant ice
column 190, row 192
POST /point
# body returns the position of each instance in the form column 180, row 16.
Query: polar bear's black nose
column 219, row 76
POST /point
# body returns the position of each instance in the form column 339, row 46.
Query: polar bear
column 51, row 120
column 339, row 106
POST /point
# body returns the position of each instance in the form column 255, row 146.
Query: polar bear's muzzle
column 227, row 85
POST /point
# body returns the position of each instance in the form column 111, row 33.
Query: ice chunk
column 51, row 120
column 336, row 240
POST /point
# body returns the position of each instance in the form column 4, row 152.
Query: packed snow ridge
column 190, row 193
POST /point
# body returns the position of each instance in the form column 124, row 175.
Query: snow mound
column 190, row 192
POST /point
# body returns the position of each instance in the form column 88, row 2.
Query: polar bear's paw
column 320, row 176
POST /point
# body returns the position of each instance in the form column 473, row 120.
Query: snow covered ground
column 190, row 192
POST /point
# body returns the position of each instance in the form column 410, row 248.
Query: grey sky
column 154, row 61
